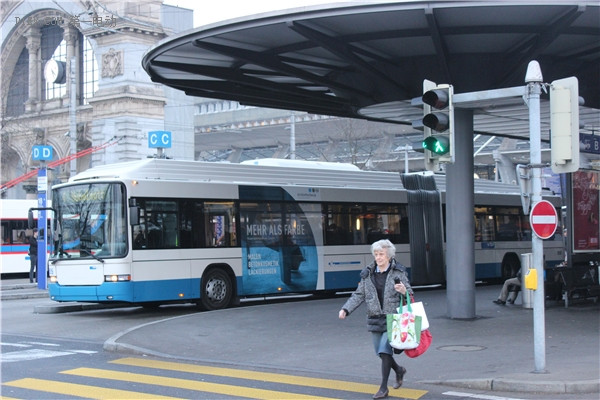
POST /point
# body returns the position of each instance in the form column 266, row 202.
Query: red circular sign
column 543, row 219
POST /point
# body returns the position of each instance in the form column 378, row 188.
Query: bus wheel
column 216, row 290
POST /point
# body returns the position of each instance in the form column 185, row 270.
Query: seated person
column 504, row 293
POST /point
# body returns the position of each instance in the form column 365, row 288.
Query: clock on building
column 54, row 71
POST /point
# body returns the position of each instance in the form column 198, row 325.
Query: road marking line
column 43, row 344
column 14, row 344
column 188, row 384
column 75, row 389
column 479, row 396
column 412, row 394
column 32, row 354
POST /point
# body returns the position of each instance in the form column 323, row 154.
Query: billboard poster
column 278, row 245
column 586, row 207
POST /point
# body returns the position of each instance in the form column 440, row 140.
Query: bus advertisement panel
column 278, row 245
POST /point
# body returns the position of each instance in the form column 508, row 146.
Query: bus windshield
column 90, row 221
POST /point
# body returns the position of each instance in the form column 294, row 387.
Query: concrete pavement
column 494, row 351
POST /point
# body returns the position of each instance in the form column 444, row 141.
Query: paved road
column 492, row 352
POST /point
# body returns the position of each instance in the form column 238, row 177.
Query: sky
column 206, row 12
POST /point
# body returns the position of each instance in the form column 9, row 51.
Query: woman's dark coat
column 366, row 292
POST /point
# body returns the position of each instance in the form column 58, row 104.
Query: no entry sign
column 543, row 219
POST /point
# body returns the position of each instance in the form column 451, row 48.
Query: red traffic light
column 436, row 98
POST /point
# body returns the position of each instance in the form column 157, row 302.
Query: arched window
column 18, row 91
column 55, row 48
column 90, row 72
column 88, row 82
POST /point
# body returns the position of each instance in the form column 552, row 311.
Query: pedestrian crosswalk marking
column 198, row 384
column 267, row 377
column 75, row 389
column 188, row 384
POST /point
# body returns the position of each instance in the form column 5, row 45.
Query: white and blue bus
column 157, row 231
column 15, row 233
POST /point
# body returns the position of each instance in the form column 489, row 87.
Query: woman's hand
column 400, row 288
column 342, row 314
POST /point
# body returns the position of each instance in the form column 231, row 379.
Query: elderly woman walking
column 381, row 287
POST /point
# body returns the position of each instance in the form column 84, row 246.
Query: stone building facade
column 72, row 79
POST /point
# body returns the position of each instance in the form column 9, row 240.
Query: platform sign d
column 41, row 153
column 543, row 219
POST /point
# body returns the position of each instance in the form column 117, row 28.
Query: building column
column 34, row 39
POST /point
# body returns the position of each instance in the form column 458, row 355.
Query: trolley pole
column 533, row 79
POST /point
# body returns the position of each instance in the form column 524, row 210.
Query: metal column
column 460, row 226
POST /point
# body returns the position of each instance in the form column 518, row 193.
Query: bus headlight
column 117, row 278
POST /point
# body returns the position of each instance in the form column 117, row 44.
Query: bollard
column 526, row 294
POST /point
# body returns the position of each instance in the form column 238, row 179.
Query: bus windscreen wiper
column 92, row 254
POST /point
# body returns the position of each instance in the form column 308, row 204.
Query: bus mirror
column 134, row 215
column 30, row 219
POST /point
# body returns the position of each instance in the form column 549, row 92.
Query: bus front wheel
column 216, row 290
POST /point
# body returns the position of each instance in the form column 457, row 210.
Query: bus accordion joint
column 117, row 278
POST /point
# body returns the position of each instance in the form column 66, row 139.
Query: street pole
column 293, row 136
column 42, row 227
column 73, row 116
column 533, row 79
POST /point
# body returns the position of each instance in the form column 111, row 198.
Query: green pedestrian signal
column 439, row 145
column 438, row 138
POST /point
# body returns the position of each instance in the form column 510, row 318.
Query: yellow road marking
column 74, row 389
column 189, row 384
column 268, row 377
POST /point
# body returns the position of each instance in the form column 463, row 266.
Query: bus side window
column 220, row 224
column 139, row 237
column 19, row 236
column 139, row 240
column 5, row 234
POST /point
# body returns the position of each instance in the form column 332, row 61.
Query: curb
column 522, row 386
column 19, row 296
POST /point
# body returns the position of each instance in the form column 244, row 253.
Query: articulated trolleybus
column 158, row 231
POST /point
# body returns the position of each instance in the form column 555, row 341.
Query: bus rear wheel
column 217, row 290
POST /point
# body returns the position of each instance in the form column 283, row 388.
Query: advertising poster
column 278, row 248
column 586, row 206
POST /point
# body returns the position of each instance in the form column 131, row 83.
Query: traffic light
column 564, row 125
column 438, row 132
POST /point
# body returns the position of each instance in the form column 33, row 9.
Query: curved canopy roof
column 349, row 59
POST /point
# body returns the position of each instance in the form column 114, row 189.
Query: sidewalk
column 15, row 289
column 495, row 351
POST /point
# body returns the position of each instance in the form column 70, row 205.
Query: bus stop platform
column 494, row 351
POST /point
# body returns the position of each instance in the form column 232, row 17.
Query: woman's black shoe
column 399, row 378
column 500, row 302
column 381, row 394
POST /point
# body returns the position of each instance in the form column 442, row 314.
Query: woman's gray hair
column 384, row 245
